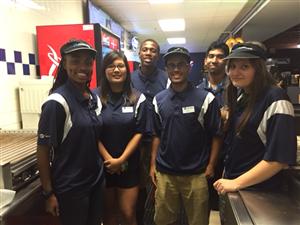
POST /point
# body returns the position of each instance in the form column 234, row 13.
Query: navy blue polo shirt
column 185, row 119
column 121, row 121
column 151, row 84
column 218, row 91
column 69, row 123
column 269, row 135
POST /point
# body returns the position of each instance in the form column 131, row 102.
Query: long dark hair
column 262, row 81
column 61, row 76
column 105, row 88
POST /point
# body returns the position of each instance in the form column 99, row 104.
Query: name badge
column 188, row 109
column 127, row 109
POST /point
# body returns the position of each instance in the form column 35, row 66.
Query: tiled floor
column 214, row 218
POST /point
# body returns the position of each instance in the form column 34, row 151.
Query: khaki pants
column 193, row 191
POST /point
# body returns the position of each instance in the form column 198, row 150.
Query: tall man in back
column 149, row 80
column 214, row 82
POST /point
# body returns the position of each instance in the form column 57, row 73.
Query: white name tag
column 188, row 109
column 127, row 109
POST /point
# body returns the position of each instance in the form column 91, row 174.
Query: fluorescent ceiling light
column 23, row 4
column 164, row 1
column 172, row 24
column 178, row 40
column 30, row 4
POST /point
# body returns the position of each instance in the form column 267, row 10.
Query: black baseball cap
column 77, row 45
column 177, row 51
column 247, row 51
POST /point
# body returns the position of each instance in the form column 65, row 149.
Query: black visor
column 77, row 45
column 247, row 51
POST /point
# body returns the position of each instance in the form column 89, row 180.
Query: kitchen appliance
column 18, row 165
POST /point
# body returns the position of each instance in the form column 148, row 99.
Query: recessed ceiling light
column 27, row 4
column 178, row 40
column 164, row 1
column 172, row 24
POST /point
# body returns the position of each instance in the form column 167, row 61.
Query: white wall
column 18, row 34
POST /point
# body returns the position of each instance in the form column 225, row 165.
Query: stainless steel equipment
column 261, row 207
column 18, row 170
column 17, row 158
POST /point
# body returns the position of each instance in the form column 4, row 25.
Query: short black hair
column 150, row 40
column 218, row 45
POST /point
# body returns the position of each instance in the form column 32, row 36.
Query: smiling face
column 79, row 67
column 214, row 61
column 241, row 73
column 149, row 53
column 116, row 72
column 178, row 69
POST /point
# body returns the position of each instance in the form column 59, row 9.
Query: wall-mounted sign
column 282, row 61
column 134, row 43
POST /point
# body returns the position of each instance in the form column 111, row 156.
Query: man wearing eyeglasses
column 149, row 80
column 214, row 82
column 180, row 159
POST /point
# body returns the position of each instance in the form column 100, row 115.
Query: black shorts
column 126, row 179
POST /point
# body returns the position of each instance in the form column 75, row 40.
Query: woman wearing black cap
column 261, row 138
column 71, row 169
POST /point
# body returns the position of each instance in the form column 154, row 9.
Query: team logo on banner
column 54, row 59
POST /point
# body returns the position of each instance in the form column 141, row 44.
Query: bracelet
column 124, row 166
column 47, row 194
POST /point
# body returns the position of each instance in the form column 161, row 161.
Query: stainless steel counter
column 236, row 212
column 27, row 201
column 261, row 208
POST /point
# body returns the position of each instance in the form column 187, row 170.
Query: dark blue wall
column 195, row 75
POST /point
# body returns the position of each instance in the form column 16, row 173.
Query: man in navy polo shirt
column 214, row 63
column 214, row 82
column 149, row 80
column 180, row 161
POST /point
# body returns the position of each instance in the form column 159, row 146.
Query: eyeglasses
column 179, row 66
column 112, row 67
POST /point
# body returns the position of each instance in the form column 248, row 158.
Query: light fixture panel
column 164, row 1
column 177, row 40
column 172, row 24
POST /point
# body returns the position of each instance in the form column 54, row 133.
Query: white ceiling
column 205, row 20
column 276, row 17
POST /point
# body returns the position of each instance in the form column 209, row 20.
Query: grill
column 17, row 158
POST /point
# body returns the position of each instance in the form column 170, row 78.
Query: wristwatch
column 47, row 194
